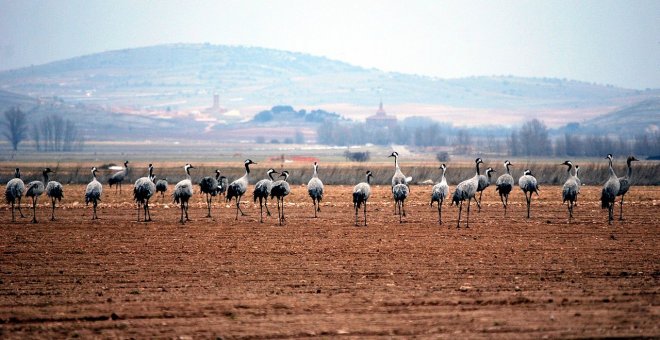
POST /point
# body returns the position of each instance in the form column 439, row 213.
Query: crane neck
column 151, row 171
column 507, row 169
column 396, row 162
column 247, row 169
column 45, row 177
column 612, row 173
column 94, row 175
column 443, row 175
column 17, row 174
column 217, row 176
column 368, row 179
column 478, row 172
column 270, row 174
column 188, row 174
column 315, row 175
column 570, row 166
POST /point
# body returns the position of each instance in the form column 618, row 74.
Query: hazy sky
column 608, row 42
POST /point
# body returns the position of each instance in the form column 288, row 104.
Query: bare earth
column 501, row 278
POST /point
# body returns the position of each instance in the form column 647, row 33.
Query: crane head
column 394, row 154
column 478, row 160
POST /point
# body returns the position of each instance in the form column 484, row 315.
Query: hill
column 183, row 77
column 642, row 117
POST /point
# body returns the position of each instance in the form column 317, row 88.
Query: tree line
column 50, row 134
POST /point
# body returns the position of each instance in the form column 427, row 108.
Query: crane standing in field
column 118, row 177
column 34, row 189
column 504, row 185
column 625, row 182
column 210, row 187
column 54, row 190
column 280, row 190
column 400, row 192
column 93, row 193
column 361, row 193
column 439, row 192
column 14, row 192
column 183, row 191
column 315, row 190
column 262, row 191
column 238, row 187
column 143, row 189
column 484, row 182
column 466, row 190
column 398, row 177
column 528, row 185
column 610, row 190
column 161, row 186
column 570, row 190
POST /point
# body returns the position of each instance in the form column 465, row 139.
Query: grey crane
column 280, row 190
column 570, row 190
column 262, row 191
column 400, row 192
column 34, row 189
column 210, row 187
column 579, row 182
column 54, row 190
column 466, row 190
column 14, row 193
column 610, row 190
column 504, row 185
column 183, row 191
column 118, row 177
column 161, row 186
column 528, row 184
column 222, row 185
column 484, row 182
column 315, row 190
column 93, row 193
column 143, row 189
column 361, row 193
column 439, row 192
column 625, row 183
column 398, row 177
column 238, row 187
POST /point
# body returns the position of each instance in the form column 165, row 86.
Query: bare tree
column 16, row 126
column 54, row 133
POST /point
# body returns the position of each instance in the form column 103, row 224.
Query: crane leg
column 279, row 214
column 19, row 208
column 440, row 212
column 479, row 201
column 467, row 223
column 52, row 213
column 34, row 209
column 460, row 209
column 621, row 210
column 356, row 213
column 182, row 207
column 261, row 210
column 13, row 219
column 266, row 204
column 138, row 211
column 365, row 213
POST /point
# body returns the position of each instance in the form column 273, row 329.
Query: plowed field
column 501, row 278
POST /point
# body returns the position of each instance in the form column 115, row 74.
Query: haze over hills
column 183, row 77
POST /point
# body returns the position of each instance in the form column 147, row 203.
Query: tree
column 534, row 139
column 16, row 126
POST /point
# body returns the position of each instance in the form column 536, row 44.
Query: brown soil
column 502, row 277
